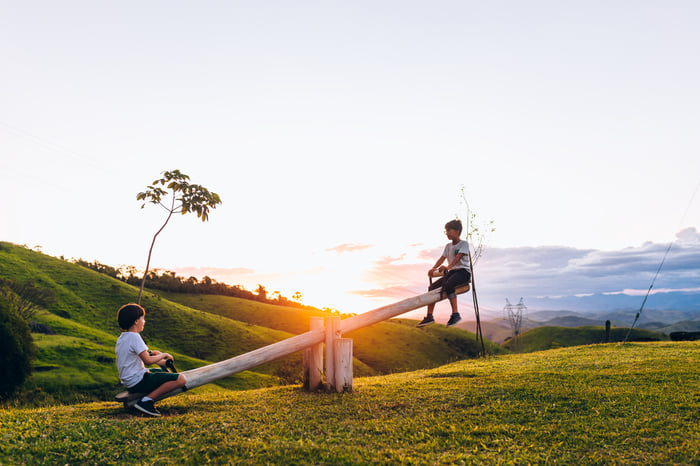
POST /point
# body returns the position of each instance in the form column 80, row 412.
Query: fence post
column 313, row 360
column 343, row 365
column 332, row 333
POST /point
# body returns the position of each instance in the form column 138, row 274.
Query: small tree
column 186, row 197
column 476, row 236
column 477, row 242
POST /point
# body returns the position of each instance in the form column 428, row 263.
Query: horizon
column 597, row 303
column 338, row 138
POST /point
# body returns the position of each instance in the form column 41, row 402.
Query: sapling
column 186, row 197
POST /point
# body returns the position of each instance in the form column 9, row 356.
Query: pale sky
column 338, row 134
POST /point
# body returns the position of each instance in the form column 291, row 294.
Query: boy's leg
column 453, row 305
column 452, row 281
column 431, row 307
column 146, row 405
column 434, row 286
column 455, row 318
column 428, row 319
column 168, row 386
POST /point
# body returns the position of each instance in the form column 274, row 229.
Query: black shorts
column 152, row 380
column 452, row 280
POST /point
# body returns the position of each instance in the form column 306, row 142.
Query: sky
column 340, row 136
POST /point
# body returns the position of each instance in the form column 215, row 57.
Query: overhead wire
column 658, row 271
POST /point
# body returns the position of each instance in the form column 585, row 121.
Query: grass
column 602, row 404
column 544, row 338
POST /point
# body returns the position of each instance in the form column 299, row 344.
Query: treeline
column 169, row 281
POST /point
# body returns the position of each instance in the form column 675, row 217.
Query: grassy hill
column 391, row 346
column 603, row 404
column 544, row 338
column 78, row 362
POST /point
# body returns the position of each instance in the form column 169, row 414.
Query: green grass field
column 602, row 404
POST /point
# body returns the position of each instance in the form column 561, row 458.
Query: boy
column 457, row 272
column 132, row 354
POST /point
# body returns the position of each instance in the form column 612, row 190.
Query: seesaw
column 338, row 367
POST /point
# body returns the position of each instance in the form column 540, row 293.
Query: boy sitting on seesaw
column 456, row 274
column 132, row 354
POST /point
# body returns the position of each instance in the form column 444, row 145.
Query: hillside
column 391, row 346
column 544, row 338
column 602, row 404
column 78, row 360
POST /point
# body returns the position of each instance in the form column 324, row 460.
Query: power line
column 54, row 147
column 639, row 312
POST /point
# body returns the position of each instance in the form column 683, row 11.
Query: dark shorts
column 152, row 380
column 454, row 279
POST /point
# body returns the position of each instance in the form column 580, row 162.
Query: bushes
column 16, row 350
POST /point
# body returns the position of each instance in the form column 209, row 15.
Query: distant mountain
column 573, row 321
column 682, row 326
column 665, row 321
column 689, row 301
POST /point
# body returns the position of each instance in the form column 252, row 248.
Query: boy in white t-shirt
column 132, row 355
column 457, row 273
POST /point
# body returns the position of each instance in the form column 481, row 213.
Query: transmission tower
column 514, row 314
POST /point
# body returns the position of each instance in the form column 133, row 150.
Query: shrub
column 16, row 350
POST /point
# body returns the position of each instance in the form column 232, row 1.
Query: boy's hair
column 454, row 225
column 128, row 314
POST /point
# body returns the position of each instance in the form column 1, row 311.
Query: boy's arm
column 154, row 357
column 437, row 265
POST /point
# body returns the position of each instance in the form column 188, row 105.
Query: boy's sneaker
column 147, row 407
column 455, row 318
column 427, row 321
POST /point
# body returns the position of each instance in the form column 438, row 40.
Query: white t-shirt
column 129, row 364
column 451, row 250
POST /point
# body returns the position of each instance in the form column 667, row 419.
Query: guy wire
column 639, row 312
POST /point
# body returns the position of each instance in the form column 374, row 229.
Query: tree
column 186, row 197
column 476, row 236
column 261, row 292
column 16, row 350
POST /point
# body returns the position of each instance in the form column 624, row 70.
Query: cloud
column 349, row 247
column 558, row 277
column 546, row 277
column 654, row 291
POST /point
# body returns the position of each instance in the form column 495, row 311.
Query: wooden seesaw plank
column 212, row 372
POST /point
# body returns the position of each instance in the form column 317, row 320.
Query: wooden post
column 332, row 334
column 343, row 365
column 313, row 360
